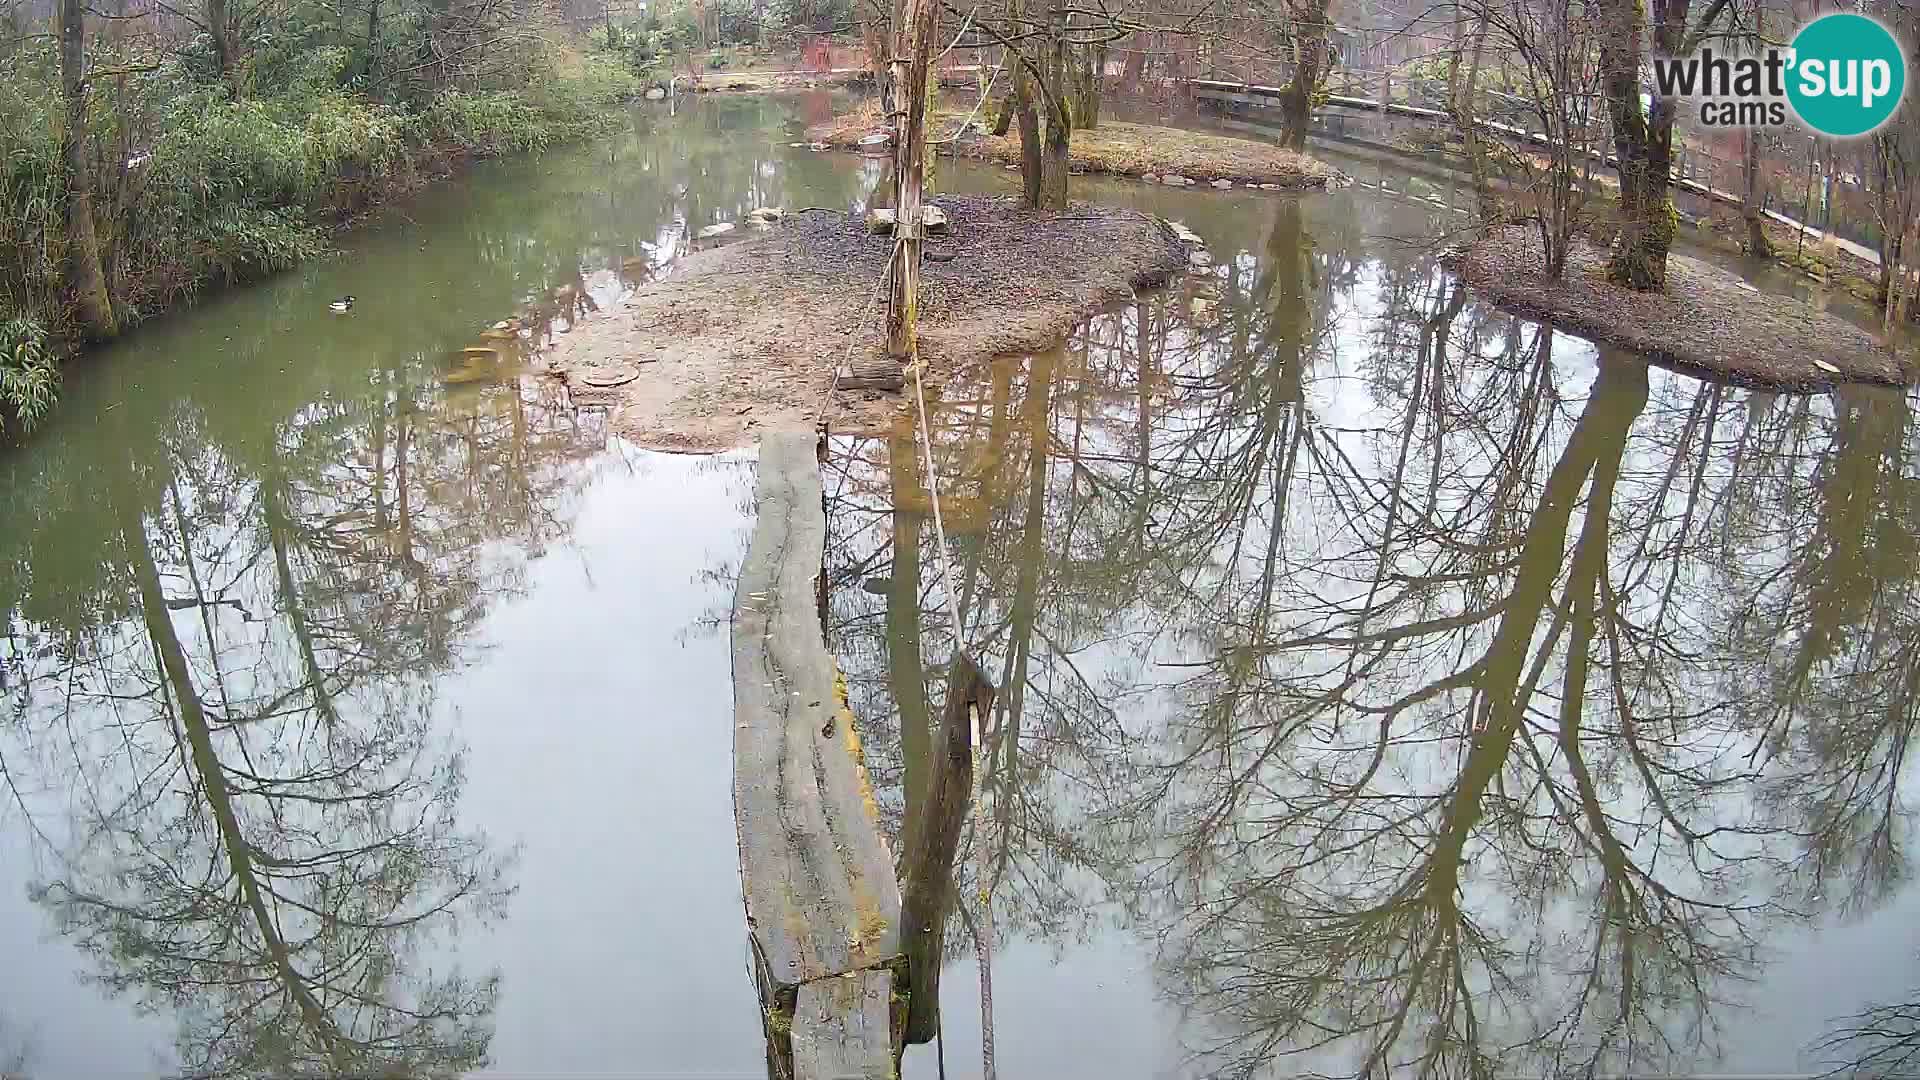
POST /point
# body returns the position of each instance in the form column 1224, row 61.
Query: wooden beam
column 842, row 1028
column 818, row 879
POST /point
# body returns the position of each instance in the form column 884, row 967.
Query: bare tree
column 1545, row 51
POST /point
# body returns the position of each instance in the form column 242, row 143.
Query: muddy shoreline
column 747, row 337
column 1707, row 321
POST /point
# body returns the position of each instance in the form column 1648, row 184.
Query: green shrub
column 29, row 380
column 488, row 122
column 202, row 181
column 31, row 200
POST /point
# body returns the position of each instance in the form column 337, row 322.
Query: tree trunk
column 1753, row 196
column 1889, row 233
column 875, row 38
column 85, row 279
column 1087, row 113
column 218, row 29
column 1003, row 116
column 905, row 668
column 931, row 847
column 1027, row 114
column 1462, row 97
column 913, row 45
column 1644, row 146
column 373, row 35
column 1136, row 65
column 1309, row 67
column 1059, row 135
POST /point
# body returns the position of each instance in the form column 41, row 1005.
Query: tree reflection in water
column 1437, row 696
column 261, row 831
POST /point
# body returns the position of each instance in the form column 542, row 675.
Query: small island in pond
column 1117, row 148
column 756, row 330
column 1706, row 319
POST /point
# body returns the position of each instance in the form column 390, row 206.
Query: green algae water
column 1384, row 678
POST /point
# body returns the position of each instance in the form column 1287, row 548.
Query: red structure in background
column 816, row 53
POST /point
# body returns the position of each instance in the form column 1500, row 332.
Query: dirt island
column 1706, row 321
column 1144, row 151
column 748, row 336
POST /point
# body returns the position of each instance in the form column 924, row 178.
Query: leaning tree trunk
column 933, row 842
column 86, row 280
column 1002, row 116
column 1753, row 196
column 1644, row 146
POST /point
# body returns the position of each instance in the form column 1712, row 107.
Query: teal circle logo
column 1848, row 74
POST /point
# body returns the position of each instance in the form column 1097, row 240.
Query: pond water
column 1383, row 677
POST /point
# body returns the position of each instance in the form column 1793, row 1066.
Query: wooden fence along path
column 1234, row 93
column 823, row 907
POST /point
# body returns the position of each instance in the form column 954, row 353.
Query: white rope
column 939, row 522
column 847, row 358
column 983, row 938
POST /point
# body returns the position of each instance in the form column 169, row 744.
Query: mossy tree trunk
column 1056, row 68
column 1644, row 145
column 1310, row 26
column 1002, row 116
column 1642, row 137
column 373, row 35
column 86, row 280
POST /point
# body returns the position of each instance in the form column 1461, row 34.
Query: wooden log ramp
column 823, row 908
column 840, row 993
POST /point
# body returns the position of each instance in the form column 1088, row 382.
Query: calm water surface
column 1384, row 678
column 1392, row 686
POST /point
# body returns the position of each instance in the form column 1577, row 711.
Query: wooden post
column 913, row 49
column 928, row 895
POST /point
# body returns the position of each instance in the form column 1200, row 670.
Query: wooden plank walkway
column 822, row 902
